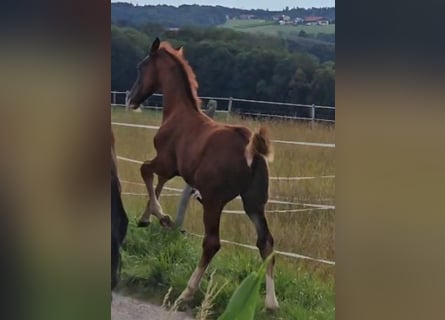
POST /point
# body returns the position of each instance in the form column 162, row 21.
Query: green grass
column 272, row 28
column 241, row 24
column 155, row 260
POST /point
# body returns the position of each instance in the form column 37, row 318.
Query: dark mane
column 187, row 72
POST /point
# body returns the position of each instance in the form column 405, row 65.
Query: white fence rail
column 255, row 108
column 310, row 205
column 302, row 143
column 307, row 207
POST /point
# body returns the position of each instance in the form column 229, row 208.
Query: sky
column 242, row 4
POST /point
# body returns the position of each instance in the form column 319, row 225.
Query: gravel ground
column 127, row 308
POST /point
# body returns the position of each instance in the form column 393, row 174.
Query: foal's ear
column 180, row 50
column 155, row 45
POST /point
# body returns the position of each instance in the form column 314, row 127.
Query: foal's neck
column 177, row 100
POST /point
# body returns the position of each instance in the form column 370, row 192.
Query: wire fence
column 241, row 212
column 246, row 107
column 302, row 207
column 302, row 143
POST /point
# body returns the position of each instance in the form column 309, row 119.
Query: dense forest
column 229, row 63
column 233, row 64
column 170, row 16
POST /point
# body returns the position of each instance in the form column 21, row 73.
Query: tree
column 299, row 87
column 229, row 63
column 302, row 34
column 323, row 87
column 128, row 47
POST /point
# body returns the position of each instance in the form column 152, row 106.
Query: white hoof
column 271, row 302
column 186, row 295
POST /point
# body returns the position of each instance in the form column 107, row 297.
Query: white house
column 313, row 20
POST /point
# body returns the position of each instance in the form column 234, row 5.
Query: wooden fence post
column 312, row 115
column 126, row 97
column 229, row 108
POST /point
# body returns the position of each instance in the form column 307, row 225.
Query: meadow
column 272, row 28
column 155, row 260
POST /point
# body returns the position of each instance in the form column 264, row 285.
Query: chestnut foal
column 221, row 161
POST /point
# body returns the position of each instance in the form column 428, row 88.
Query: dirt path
column 127, row 308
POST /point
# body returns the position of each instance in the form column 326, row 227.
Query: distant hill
column 250, row 54
column 126, row 14
column 230, row 63
column 314, row 34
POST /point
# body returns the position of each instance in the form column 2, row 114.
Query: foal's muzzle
column 129, row 102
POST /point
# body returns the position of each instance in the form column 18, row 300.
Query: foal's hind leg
column 210, row 246
column 148, row 169
column 255, row 211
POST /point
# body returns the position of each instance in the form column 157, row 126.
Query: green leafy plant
column 243, row 302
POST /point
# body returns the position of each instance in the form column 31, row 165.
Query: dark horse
column 221, row 161
column 119, row 220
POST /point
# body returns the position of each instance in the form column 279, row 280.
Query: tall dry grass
column 310, row 233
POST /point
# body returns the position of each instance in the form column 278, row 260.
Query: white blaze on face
column 127, row 100
column 128, row 105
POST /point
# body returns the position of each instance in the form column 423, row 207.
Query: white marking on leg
column 249, row 157
column 155, row 208
column 194, row 280
column 146, row 215
column 192, row 284
column 196, row 194
column 271, row 299
column 144, row 218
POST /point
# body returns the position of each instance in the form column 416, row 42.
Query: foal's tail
column 261, row 144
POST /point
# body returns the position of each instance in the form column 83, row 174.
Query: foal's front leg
column 153, row 206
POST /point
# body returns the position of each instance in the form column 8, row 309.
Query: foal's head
column 147, row 81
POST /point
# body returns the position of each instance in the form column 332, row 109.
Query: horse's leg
column 153, row 206
column 164, row 220
column 210, row 246
column 255, row 211
column 160, row 185
column 254, row 202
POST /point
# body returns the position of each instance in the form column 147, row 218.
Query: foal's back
column 214, row 154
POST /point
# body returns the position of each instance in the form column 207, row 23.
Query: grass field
column 155, row 260
column 272, row 28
